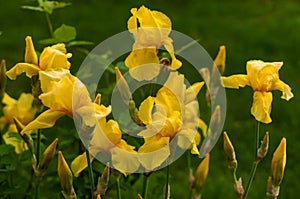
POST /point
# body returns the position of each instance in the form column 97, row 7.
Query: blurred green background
column 252, row 29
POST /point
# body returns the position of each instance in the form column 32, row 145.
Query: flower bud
column 278, row 163
column 47, row 157
column 238, row 188
column 122, row 86
column 27, row 139
column 263, row 149
column 139, row 196
column 2, row 78
column 97, row 99
column 272, row 191
column 134, row 113
column 201, row 174
column 220, row 59
column 30, row 54
column 103, row 181
column 65, row 176
column 98, row 196
column 230, row 153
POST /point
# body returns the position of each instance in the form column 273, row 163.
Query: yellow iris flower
column 263, row 77
column 20, row 109
column 173, row 112
column 107, row 139
column 151, row 30
column 54, row 57
column 68, row 96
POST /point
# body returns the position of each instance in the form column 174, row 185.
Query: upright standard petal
column 30, row 54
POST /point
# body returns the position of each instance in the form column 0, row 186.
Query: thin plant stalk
column 145, row 186
column 167, row 182
column 118, row 188
column 90, row 169
column 38, row 146
column 255, row 163
column 49, row 23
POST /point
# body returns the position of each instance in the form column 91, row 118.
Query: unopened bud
column 103, row 181
column 263, row 149
column 229, row 151
column 98, row 99
column 122, row 86
column 139, row 196
column 239, row 189
column 66, row 177
column 192, row 92
column 30, row 54
column 213, row 130
column 2, row 78
column 27, row 139
column 221, row 59
column 47, row 157
column 278, row 163
column 201, row 174
column 272, row 191
column 134, row 113
column 98, row 196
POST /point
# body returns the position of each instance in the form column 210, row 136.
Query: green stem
column 145, row 186
column 91, row 177
column 234, row 174
column 255, row 163
column 167, row 182
column 118, row 188
column 49, row 24
column 38, row 147
column 37, row 188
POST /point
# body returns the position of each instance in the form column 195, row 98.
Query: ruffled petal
column 145, row 110
column 18, row 69
column 154, row 152
column 55, row 57
column 124, row 158
column 261, row 107
column 285, row 89
column 46, row 119
column 79, row 164
column 192, row 92
column 143, row 64
column 175, row 64
column 235, row 81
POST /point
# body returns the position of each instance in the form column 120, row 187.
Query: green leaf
column 49, row 6
column 62, row 34
column 65, row 33
column 49, row 41
column 79, row 43
column 34, row 8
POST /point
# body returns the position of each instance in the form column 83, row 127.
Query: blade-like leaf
column 79, row 43
column 35, row 8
